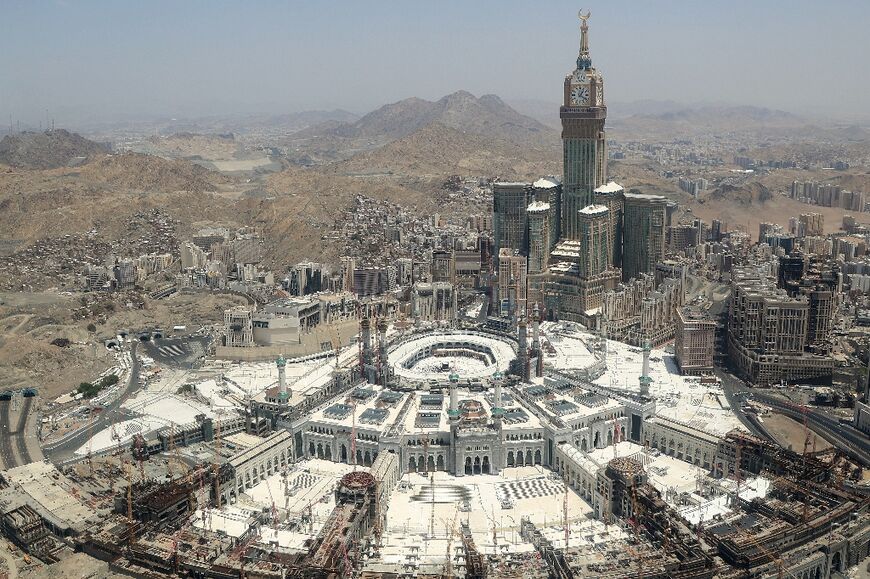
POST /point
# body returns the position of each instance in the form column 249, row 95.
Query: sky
column 84, row 61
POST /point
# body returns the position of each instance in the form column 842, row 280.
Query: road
column 6, row 454
column 17, row 433
column 21, row 432
column 843, row 436
column 66, row 450
column 735, row 391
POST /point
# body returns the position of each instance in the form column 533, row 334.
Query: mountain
column 47, row 150
column 437, row 150
column 138, row 172
column 487, row 116
column 665, row 120
column 718, row 114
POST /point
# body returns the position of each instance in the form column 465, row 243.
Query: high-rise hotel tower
column 584, row 152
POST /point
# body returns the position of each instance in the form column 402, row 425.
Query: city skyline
column 194, row 60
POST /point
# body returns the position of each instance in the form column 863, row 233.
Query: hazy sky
column 86, row 60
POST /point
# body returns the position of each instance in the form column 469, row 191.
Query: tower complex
column 584, row 149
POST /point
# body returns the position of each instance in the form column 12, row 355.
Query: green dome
column 454, row 377
column 281, row 362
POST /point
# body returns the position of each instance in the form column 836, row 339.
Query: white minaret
column 283, row 394
column 453, row 413
column 645, row 378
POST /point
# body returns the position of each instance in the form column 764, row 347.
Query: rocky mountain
column 47, row 150
column 488, row 117
column 436, row 150
column 138, row 172
column 439, row 136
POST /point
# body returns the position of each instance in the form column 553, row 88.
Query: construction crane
column 737, row 464
column 451, row 531
column 216, row 467
column 565, row 523
column 336, row 344
column 129, row 473
column 615, row 436
column 634, row 522
column 171, row 450
column 140, row 456
column 353, row 436
column 118, row 453
column 91, row 416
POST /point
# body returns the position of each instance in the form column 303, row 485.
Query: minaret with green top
column 283, row 393
column 645, row 379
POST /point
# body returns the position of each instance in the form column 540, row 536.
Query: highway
column 21, row 432
column 66, row 450
column 6, row 453
column 843, row 436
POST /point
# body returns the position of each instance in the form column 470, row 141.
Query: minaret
column 523, row 354
column 366, row 337
column 366, row 331
column 283, row 393
column 382, row 350
column 536, row 342
column 496, row 399
column 453, row 413
column 645, row 378
column 455, row 462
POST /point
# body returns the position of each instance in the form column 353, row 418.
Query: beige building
column 767, row 331
column 512, row 279
column 694, row 341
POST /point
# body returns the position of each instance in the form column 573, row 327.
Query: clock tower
column 584, row 151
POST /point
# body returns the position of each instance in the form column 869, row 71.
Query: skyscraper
column 612, row 196
column 510, row 222
column 584, row 154
column 539, row 214
column 549, row 190
column 645, row 218
column 594, row 240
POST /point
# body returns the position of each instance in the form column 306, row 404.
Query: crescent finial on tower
column 583, row 61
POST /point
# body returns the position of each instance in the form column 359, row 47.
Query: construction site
column 546, row 451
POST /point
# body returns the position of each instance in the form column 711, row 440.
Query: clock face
column 599, row 95
column 580, row 95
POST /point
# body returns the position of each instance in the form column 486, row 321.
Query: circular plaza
column 436, row 355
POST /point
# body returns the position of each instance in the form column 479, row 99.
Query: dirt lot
column 790, row 433
column 75, row 566
column 30, row 322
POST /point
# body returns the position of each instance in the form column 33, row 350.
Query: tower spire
column 584, row 61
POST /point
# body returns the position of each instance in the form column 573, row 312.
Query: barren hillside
column 46, row 150
column 437, row 150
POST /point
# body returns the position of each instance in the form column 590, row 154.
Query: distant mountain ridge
column 47, row 150
column 726, row 113
column 487, row 116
